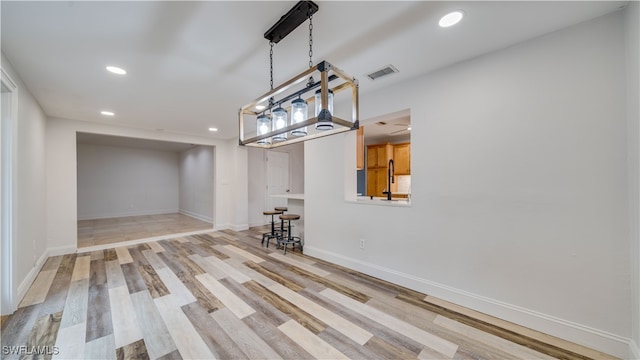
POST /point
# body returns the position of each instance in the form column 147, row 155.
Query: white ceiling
column 191, row 65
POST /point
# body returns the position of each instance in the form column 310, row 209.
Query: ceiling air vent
column 389, row 69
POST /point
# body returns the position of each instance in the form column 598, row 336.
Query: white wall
column 257, row 172
column 236, row 181
column 519, row 187
column 30, row 186
column 123, row 181
column 62, row 179
column 196, row 182
column 257, row 180
column 632, row 32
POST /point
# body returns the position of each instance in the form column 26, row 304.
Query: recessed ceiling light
column 116, row 70
column 451, row 18
column 212, row 129
column 409, row 128
column 260, row 107
column 107, row 113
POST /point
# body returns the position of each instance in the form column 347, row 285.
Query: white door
column 278, row 176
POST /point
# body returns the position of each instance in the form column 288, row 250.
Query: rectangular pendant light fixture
column 278, row 128
column 332, row 81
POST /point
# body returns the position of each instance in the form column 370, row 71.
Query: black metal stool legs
column 270, row 235
column 293, row 240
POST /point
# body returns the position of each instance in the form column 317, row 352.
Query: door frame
column 8, row 191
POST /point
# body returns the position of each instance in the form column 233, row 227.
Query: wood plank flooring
column 222, row 295
column 114, row 230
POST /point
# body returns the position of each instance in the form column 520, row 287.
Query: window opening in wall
column 384, row 158
column 130, row 189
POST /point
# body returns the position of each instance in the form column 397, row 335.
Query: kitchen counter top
column 382, row 201
column 289, row 196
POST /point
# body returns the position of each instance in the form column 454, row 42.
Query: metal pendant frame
column 294, row 88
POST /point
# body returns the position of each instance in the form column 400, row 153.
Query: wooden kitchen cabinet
column 378, row 157
column 402, row 159
column 376, row 182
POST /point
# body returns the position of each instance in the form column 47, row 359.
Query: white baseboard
column 31, row 277
column 61, row 250
column 218, row 227
column 234, row 227
column 127, row 213
column 196, row 216
column 239, row 227
column 259, row 224
column 584, row 335
column 634, row 350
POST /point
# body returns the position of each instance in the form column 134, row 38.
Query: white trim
column 61, row 250
column 129, row 213
column 219, row 227
column 239, row 227
column 31, row 276
column 234, row 227
column 634, row 350
column 9, row 132
column 8, row 80
column 196, row 216
column 580, row 334
column 259, row 224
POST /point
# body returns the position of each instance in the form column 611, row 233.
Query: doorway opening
column 273, row 175
column 133, row 189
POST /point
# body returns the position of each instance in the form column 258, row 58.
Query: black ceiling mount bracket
column 291, row 20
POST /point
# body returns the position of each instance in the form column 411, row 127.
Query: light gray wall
column 30, row 195
column 632, row 32
column 296, row 156
column 123, row 181
column 519, row 187
column 196, row 182
column 257, row 181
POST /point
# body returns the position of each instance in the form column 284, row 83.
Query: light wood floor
column 115, row 230
column 222, row 295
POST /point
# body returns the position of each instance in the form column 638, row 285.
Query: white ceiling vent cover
column 389, row 69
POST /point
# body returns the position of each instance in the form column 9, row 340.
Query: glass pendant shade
column 264, row 126
column 299, row 111
column 327, row 124
column 279, row 122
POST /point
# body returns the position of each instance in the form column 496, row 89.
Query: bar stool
column 293, row 240
column 282, row 210
column 272, row 234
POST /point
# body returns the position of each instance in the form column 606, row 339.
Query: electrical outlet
column 362, row 242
